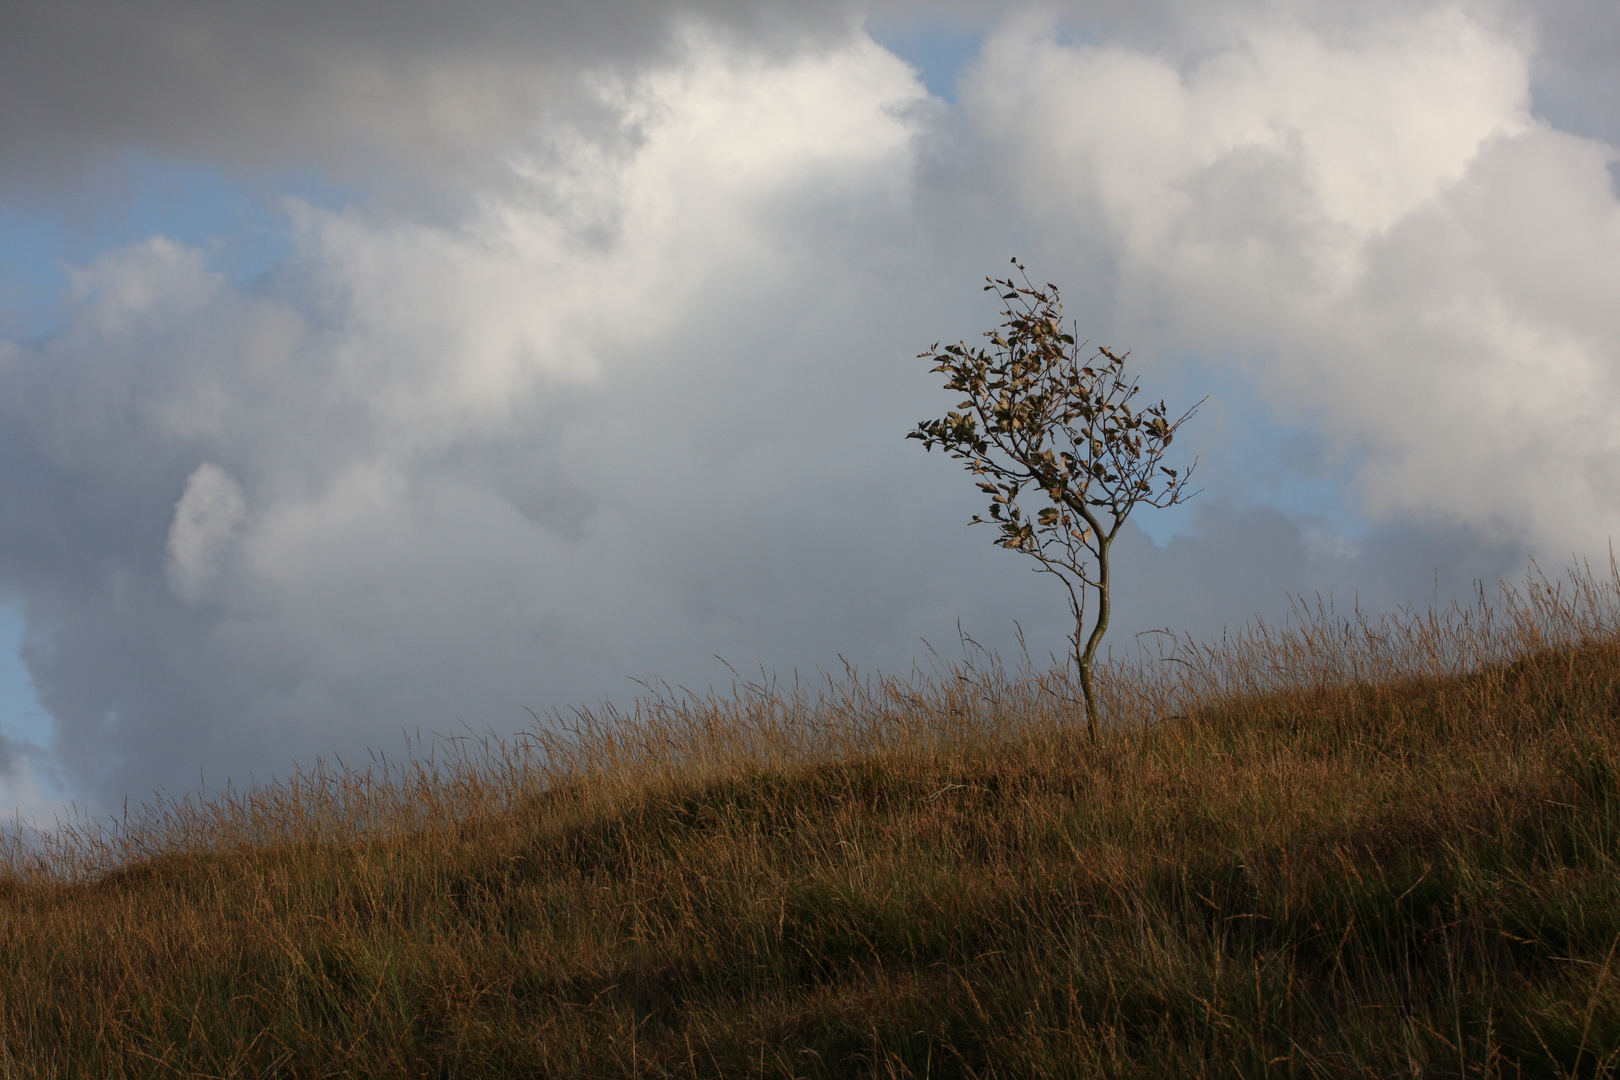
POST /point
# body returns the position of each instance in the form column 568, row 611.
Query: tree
column 1040, row 415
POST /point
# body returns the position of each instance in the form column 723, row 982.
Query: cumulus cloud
column 634, row 395
column 1403, row 256
column 431, row 471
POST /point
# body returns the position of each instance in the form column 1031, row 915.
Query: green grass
column 1342, row 848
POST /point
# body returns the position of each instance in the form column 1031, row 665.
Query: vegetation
column 1343, row 847
column 1040, row 414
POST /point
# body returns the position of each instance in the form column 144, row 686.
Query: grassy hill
column 1346, row 847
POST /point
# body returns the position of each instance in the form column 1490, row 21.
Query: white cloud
column 1418, row 264
column 205, row 521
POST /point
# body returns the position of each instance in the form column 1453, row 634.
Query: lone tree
column 1040, row 415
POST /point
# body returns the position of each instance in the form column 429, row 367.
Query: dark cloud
column 419, row 92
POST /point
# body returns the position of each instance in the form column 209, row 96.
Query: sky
column 370, row 368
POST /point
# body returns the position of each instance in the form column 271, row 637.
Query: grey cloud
column 1576, row 78
column 415, row 92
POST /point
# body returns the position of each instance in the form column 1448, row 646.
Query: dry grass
column 1342, row 847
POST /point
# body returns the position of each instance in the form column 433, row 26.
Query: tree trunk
column 1085, row 656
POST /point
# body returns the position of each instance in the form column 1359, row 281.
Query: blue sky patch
column 939, row 51
column 243, row 229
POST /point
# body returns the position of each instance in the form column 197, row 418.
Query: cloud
column 633, row 394
column 1573, row 68
column 1402, row 256
column 427, row 471
column 205, row 520
column 404, row 99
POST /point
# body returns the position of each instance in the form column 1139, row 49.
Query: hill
column 1344, row 847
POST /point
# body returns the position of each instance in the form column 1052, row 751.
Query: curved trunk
column 1085, row 656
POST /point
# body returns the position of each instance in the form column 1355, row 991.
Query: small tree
column 1036, row 416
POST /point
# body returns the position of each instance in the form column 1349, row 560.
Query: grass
column 1341, row 847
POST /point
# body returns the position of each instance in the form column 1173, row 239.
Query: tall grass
column 1345, row 845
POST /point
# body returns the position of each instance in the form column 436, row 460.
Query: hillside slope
column 1418, row 875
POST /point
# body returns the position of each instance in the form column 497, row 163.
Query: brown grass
column 1340, row 847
